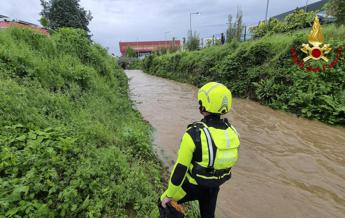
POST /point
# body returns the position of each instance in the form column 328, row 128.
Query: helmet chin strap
column 205, row 113
column 201, row 108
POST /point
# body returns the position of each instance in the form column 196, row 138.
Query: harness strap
column 230, row 126
column 210, row 172
column 212, row 149
column 211, row 152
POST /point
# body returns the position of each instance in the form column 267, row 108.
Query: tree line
column 64, row 13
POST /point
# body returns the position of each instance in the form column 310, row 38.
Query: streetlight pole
column 268, row 3
column 190, row 21
column 306, row 6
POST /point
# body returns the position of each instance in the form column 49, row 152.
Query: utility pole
column 268, row 3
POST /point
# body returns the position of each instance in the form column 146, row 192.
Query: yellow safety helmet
column 215, row 98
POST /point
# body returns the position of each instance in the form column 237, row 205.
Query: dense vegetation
column 70, row 143
column 64, row 13
column 337, row 9
column 299, row 19
column 263, row 70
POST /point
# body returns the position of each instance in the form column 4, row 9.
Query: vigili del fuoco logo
column 317, row 51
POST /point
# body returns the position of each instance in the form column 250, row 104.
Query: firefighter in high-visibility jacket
column 208, row 151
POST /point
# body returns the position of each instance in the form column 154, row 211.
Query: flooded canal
column 288, row 167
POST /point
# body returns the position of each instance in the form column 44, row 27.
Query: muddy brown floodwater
column 288, row 167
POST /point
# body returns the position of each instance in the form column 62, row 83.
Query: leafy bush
column 263, row 71
column 299, row 19
column 70, row 143
column 337, row 9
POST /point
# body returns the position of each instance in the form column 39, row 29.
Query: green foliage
column 70, row 143
column 130, row 52
column 262, row 70
column 129, row 63
column 44, row 22
column 260, row 30
column 65, row 13
column 193, row 42
column 235, row 29
column 135, row 64
column 212, row 42
column 297, row 20
column 277, row 26
column 167, row 50
column 337, row 9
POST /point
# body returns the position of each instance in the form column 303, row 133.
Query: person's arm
column 178, row 174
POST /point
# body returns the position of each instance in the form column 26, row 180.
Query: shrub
column 299, row 19
column 70, row 143
column 263, row 70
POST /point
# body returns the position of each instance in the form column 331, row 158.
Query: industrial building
column 147, row 47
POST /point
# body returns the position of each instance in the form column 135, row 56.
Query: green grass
column 263, row 70
column 70, row 143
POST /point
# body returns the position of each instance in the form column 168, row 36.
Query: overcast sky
column 132, row 20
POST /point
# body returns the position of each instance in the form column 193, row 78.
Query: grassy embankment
column 70, row 143
column 263, row 70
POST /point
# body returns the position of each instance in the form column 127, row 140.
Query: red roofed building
column 6, row 23
column 147, row 47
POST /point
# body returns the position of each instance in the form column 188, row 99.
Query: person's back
column 208, row 151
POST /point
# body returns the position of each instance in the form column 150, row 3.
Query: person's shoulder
column 193, row 129
column 231, row 126
column 226, row 121
column 195, row 125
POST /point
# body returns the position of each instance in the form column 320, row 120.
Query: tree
column 259, row 30
column 193, row 42
column 44, row 22
column 231, row 31
column 277, row 26
column 337, row 9
column 239, row 24
column 130, row 52
column 65, row 13
column 297, row 20
column 234, row 31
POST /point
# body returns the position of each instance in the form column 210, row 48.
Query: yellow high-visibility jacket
column 207, row 152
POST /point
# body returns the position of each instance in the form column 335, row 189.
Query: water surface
column 288, row 167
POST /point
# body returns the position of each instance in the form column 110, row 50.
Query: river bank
column 71, row 144
column 263, row 70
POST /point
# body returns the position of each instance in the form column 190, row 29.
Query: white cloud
column 126, row 20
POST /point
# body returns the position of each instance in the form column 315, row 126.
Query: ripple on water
column 289, row 167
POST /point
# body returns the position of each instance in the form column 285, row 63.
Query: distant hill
column 311, row 7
